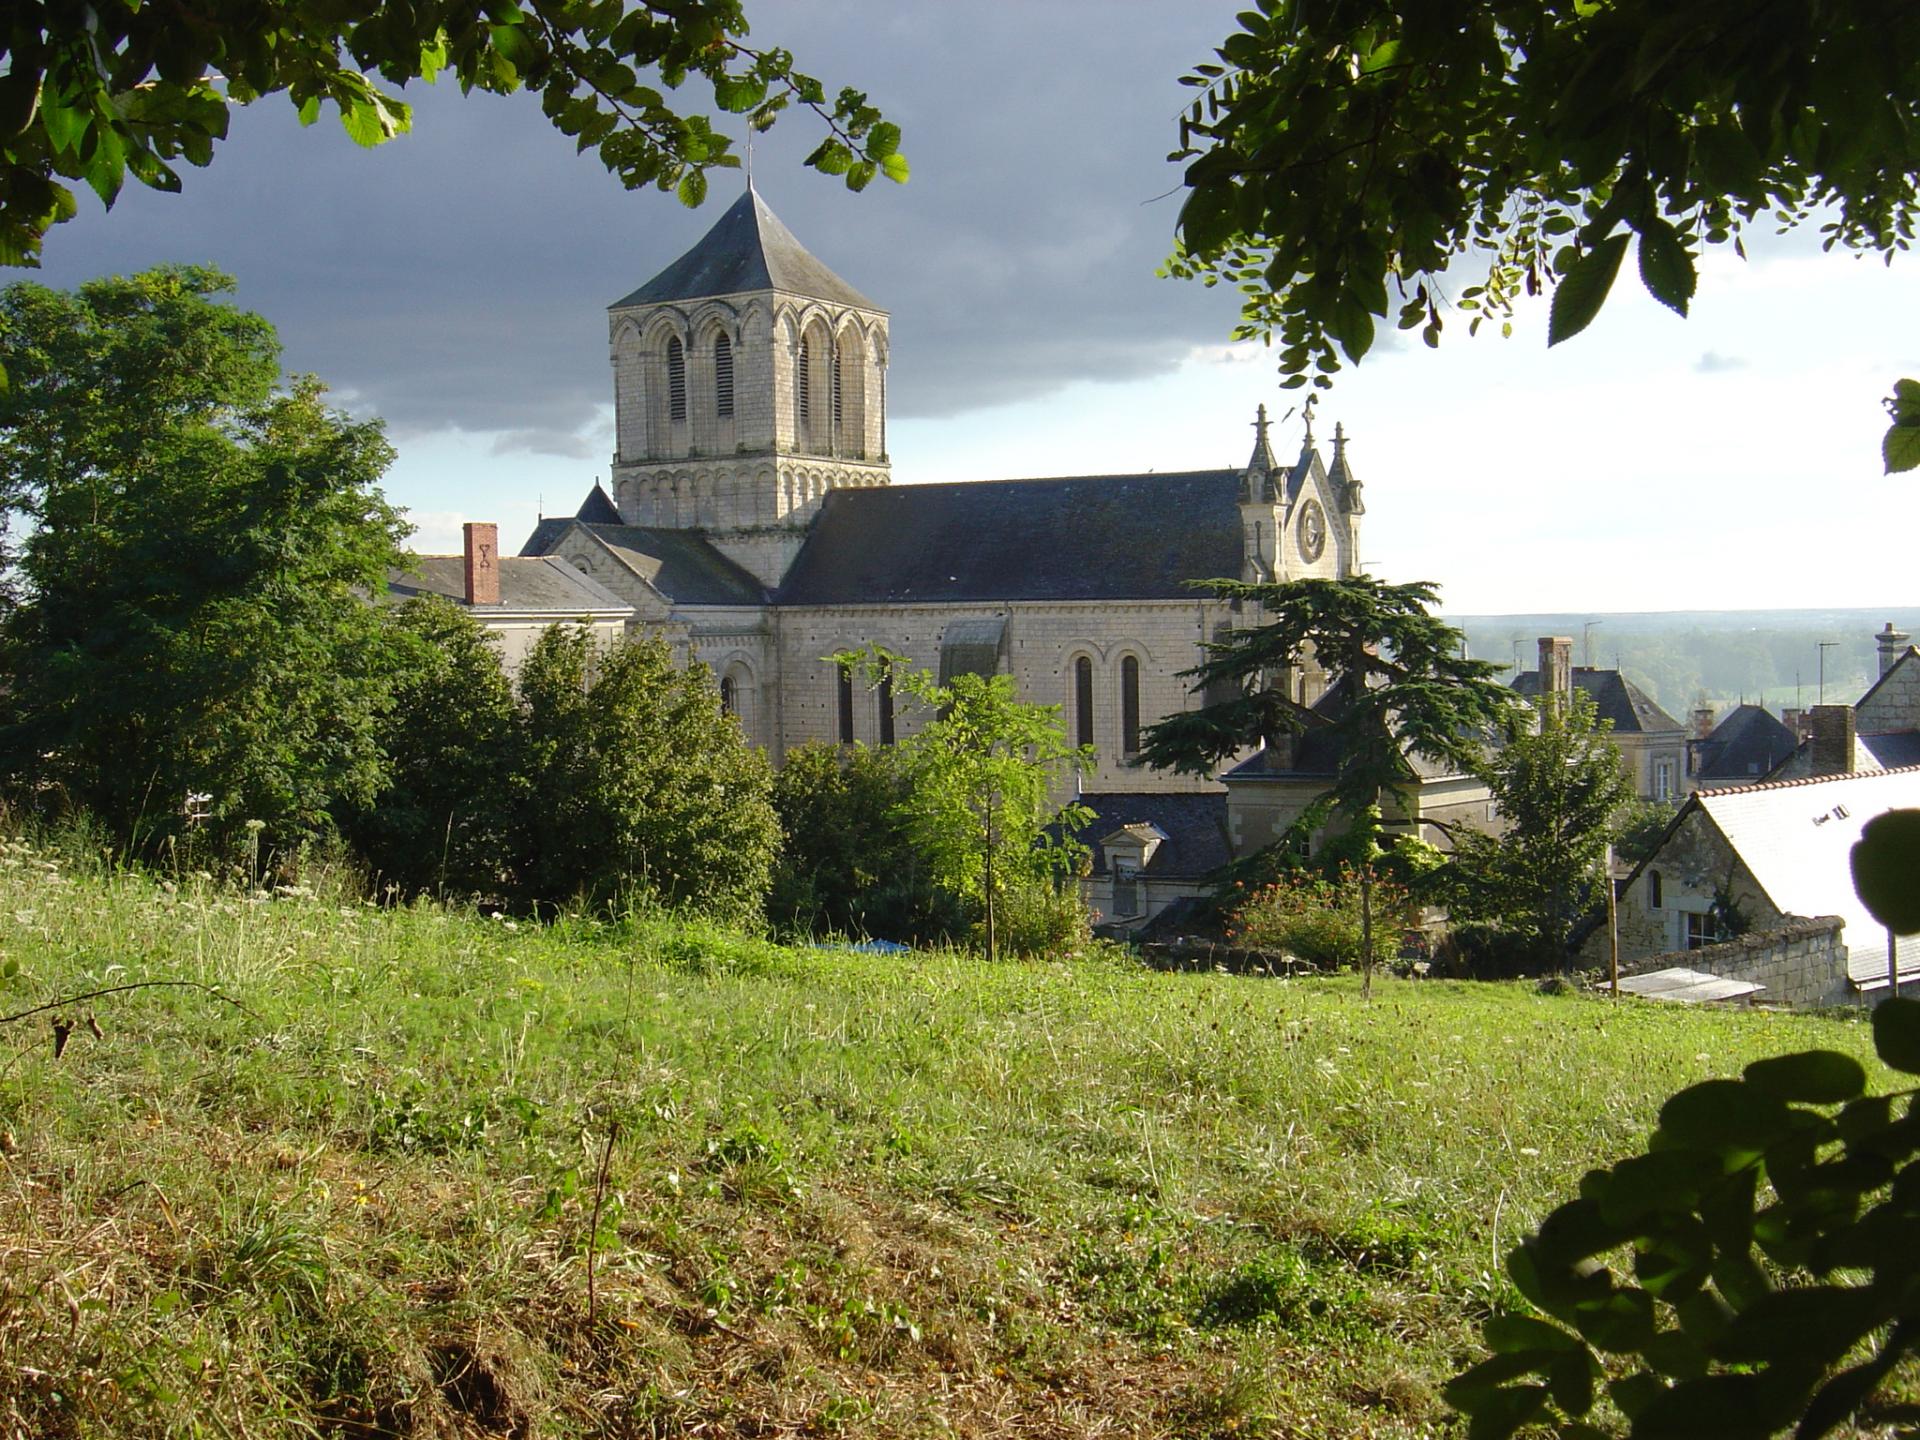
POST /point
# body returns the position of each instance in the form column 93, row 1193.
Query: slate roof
column 1195, row 827
column 1314, row 753
column 1615, row 698
column 680, row 564
column 598, row 508
column 1745, row 745
column 747, row 249
column 536, row 583
column 1090, row 538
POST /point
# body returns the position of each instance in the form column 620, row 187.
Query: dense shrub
column 848, row 865
column 1318, row 919
column 1037, row 917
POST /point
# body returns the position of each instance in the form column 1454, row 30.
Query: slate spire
column 747, row 249
column 1258, row 487
column 1345, row 483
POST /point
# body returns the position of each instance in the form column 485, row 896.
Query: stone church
column 752, row 518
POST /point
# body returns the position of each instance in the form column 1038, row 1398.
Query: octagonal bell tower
column 749, row 380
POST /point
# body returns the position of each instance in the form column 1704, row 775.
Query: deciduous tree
column 982, row 774
column 1558, row 783
column 96, row 92
column 630, row 778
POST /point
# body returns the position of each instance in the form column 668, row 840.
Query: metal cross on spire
column 1306, row 413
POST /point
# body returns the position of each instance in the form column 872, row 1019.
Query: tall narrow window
column 676, row 380
column 1655, row 900
column 1083, row 701
column 1130, row 705
column 803, row 398
column 886, row 706
column 729, row 697
column 839, row 414
column 723, row 376
column 846, row 704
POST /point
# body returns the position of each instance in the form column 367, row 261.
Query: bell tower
column 749, row 380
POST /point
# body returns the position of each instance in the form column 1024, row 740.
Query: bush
column 848, row 865
column 1480, row 950
column 1318, row 919
column 1032, row 917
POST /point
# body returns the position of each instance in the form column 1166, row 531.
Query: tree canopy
column 190, row 618
column 97, row 92
column 1346, row 155
column 1405, row 686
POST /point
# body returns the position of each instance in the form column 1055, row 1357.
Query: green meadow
column 423, row 1173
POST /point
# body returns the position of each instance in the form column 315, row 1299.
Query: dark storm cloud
column 458, row 277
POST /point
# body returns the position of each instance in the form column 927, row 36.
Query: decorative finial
column 1339, row 438
column 1260, row 430
column 749, row 159
column 1306, row 414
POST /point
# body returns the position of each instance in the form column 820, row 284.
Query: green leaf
column 1900, row 449
column 1666, row 266
column 1722, row 1114
column 1583, row 289
column 1508, row 1334
column 883, row 140
column 894, row 167
column 10, row 969
column 1886, row 868
column 693, row 189
column 1498, row 1413
column 1815, row 1077
column 1896, row 1034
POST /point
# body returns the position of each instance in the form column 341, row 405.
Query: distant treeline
column 1719, row 657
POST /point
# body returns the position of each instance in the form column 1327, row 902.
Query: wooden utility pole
column 1613, row 922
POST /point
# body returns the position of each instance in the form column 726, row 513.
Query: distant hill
column 1719, row 657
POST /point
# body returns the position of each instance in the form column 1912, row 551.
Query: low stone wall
column 1207, row 955
column 1803, row 962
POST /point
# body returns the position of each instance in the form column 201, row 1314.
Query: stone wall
column 1802, row 963
column 1895, row 702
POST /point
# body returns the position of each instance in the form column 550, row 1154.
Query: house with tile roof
column 752, row 517
column 1652, row 744
column 1745, row 866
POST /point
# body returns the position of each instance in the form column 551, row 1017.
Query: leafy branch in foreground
column 1770, row 1222
column 1340, row 150
column 97, row 92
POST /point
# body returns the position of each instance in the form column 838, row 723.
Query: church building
column 753, row 519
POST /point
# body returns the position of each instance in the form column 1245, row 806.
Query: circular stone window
column 1313, row 530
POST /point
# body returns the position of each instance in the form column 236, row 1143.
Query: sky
column 454, row 283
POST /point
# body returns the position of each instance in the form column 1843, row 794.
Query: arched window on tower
column 1130, row 705
column 845, row 698
column 676, row 380
column 1083, row 701
column 886, row 705
column 803, row 397
column 729, row 696
column 723, row 376
column 839, row 409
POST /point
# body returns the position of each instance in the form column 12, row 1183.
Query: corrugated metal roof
column 748, row 249
column 1797, row 838
column 1105, row 537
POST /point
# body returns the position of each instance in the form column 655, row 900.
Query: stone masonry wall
column 1803, row 963
column 1895, row 704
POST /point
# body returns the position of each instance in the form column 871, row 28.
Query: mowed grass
column 855, row 1194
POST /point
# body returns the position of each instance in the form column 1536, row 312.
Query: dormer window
column 676, row 380
column 723, row 376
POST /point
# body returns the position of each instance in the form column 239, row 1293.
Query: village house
column 1652, row 744
column 1754, row 883
column 1879, row 732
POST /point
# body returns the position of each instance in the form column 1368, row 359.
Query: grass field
column 852, row 1194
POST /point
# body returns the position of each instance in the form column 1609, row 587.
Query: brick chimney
column 1833, row 739
column 483, row 563
column 1703, row 723
column 1893, row 644
column 1556, row 667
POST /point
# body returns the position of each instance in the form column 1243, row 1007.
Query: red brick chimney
column 1556, row 667
column 1703, row 722
column 1832, row 740
column 483, row 563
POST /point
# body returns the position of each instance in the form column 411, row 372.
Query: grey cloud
column 458, row 277
column 1712, row 362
